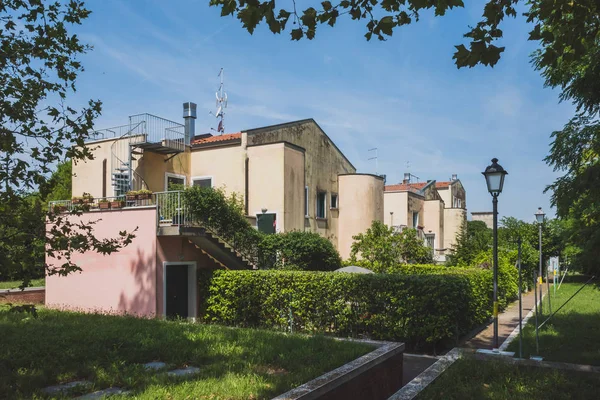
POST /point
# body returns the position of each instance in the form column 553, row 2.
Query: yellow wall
column 294, row 189
column 87, row 175
column 225, row 164
column 323, row 163
column 453, row 220
column 266, row 181
column 433, row 222
column 396, row 202
column 360, row 203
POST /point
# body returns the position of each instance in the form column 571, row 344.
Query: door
column 266, row 223
column 177, row 291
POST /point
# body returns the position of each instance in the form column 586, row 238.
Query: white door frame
column 174, row 175
column 192, row 287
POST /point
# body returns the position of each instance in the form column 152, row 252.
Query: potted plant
column 87, row 198
column 117, row 203
column 103, row 204
column 131, row 195
column 144, row 194
column 77, row 200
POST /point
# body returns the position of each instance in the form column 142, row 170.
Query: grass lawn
column 15, row 284
column 474, row 379
column 573, row 334
column 61, row 347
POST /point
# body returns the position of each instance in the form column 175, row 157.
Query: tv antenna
column 221, row 104
column 374, row 158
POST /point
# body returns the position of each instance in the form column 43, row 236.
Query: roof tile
column 216, row 139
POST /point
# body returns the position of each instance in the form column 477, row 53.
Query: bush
column 423, row 310
column 224, row 215
column 298, row 250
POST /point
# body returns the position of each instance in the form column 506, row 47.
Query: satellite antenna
column 221, row 104
column 374, row 158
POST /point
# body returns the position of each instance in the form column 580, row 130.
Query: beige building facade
column 435, row 209
column 290, row 176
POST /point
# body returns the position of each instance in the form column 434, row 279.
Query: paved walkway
column 507, row 322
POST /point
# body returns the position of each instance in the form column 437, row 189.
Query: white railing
column 171, row 209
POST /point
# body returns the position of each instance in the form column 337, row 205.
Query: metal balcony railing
column 171, row 209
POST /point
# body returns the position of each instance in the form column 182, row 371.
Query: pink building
column 156, row 275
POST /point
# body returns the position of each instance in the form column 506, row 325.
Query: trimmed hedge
column 420, row 309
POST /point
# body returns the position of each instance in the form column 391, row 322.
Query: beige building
column 291, row 176
column 435, row 209
column 486, row 216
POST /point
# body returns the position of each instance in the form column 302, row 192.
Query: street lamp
column 494, row 177
column 539, row 216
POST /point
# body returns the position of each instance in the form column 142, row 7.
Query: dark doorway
column 177, row 291
column 266, row 223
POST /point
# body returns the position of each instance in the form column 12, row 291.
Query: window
column 202, row 182
column 321, row 204
column 457, row 203
column 306, row 201
column 430, row 241
column 334, row 200
column 174, row 181
column 415, row 219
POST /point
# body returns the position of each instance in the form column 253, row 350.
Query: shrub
column 422, row 310
column 297, row 250
column 224, row 215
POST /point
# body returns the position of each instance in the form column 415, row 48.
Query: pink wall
column 120, row 282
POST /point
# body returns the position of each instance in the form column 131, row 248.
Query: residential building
column 436, row 210
column 486, row 216
column 290, row 176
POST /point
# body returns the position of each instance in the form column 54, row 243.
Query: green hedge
column 420, row 309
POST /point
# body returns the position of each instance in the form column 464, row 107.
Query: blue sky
column 403, row 96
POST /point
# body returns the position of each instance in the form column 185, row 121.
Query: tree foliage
column 298, row 250
column 578, row 19
column 38, row 129
column 380, row 247
column 473, row 238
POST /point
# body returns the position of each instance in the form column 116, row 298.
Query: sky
column 403, row 96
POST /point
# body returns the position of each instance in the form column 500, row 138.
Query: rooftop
column 217, row 139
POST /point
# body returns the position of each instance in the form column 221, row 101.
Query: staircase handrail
column 113, row 153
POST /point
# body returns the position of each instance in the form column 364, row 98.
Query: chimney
column 189, row 115
column 454, row 177
column 406, row 179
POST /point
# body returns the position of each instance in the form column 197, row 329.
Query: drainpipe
column 246, row 171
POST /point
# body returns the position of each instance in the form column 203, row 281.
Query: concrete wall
column 323, row 163
column 225, row 164
column 486, row 216
column 266, row 181
column 453, row 220
column 120, row 282
column 152, row 167
column 396, row 202
column 360, row 203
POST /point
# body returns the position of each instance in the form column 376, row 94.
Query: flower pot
column 143, row 196
column 130, row 197
column 117, row 204
column 105, row 205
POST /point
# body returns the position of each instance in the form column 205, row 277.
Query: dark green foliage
column 380, row 247
column 298, row 250
column 224, row 215
column 422, row 309
column 39, row 65
column 473, row 238
column 58, row 186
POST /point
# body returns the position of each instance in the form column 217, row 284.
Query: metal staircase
column 145, row 132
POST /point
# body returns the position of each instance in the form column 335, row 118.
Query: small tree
column 380, row 248
column 298, row 250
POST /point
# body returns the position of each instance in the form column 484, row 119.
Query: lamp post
column 539, row 216
column 494, row 177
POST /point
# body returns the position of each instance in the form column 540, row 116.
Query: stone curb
column 414, row 387
column 319, row 386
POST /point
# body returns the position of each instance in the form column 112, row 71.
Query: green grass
column 15, row 284
column 474, row 379
column 573, row 334
column 60, row 347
